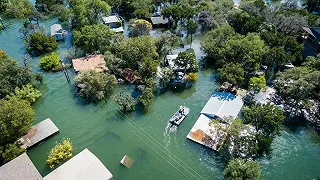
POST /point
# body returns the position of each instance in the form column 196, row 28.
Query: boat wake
column 170, row 129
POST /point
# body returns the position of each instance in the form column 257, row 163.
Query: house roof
column 110, row 19
column 38, row 133
column 313, row 31
column 91, row 62
column 55, row 28
column 83, row 166
column 159, row 20
column 222, row 104
column 20, row 168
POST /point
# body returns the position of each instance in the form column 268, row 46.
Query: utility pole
column 65, row 71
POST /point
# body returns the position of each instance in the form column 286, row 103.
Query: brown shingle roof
column 91, row 62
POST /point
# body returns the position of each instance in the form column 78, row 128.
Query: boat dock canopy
column 222, row 104
column 83, row 166
column 159, row 20
column 38, row 133
column 91, row 62
column 20, row 168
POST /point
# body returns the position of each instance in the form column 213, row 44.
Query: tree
column 294, row 89
column 3, row 5
column 266, row 118
column 139, row 27
column 114, row 63
column 148, row 68
column 47, row 5
column 93, row 38
column 61, row 151
column 10, row 151
column 311, row 5
column 88, row 12
column 257, row 84
column 133, row 50
column 95, row 85
column 166, row 43
column 27, row 93
column 147, row 89
column 232, row 73
column 312, row 62
column 126, row 102
column 16, row 117
column 13, row 76
column 51, row 62
column 186, row 60
column 19, row 9
column 39, row 44
column 244, row 23
column 240, row 169
column 192, row 27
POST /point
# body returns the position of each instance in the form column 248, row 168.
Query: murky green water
column 141, row 135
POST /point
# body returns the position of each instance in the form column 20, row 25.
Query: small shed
column 131, row 76
column 57, row 32
column 38, row 133
column 83, row 166
column 127, row 161
column 114, row 22
column 159, row 21
column 20, row 168
column 91, row 62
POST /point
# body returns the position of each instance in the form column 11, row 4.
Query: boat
column 179, row 116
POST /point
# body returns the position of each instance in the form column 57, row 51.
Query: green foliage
column 244, row 23
column 296, row 87
column 178, row 12
column 19, row 9
column 148, row 68
column 134, row 50
column 266, row 118
column 13, row 76
column 139, row 27
column 27, row 93
column 240, row 169
column 3, row 5
column 39, row 43
column 10, row 151
column 87, row 12
column 257, row 84
column 192, row 27
column 166, row 75
column 223, row 45
column 312, row 5
column 312, row 62
column 96, row 85
column 232, row 73
column 186, row 60
column 126, row 102
column 114, row 63
column 147, row 90
column 60, row 152
column 166, row 43
column 51, row 62
column 93, row 38
column 192, row 77
column 16, row 117
column 142, row 13
column 47, row 5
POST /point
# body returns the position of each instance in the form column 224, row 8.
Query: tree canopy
column 39, row 43
column 239, row 169
column 139, row 27
column 232, row 73
column 51, row 62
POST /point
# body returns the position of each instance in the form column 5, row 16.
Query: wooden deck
column 38, row 133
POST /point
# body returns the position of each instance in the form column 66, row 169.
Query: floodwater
column 159, row 152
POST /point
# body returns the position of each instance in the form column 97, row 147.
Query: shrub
column 126, row 102
column 192, row 77
column 51, row 62
column 40, row 43
column 60, row 152
column 27, row 93
column 257, row 84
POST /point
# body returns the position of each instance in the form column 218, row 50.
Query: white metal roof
column 55, row 28
column 159, row 20
column 110, row 19
column 222, row 104
column 83, row 166
column 20, row 168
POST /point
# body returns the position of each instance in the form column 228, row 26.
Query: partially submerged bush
column 27, row 92
column 51, row 62
column 61, row 151
column 126, row 102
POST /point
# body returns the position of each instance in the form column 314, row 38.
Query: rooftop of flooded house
column 91, row 62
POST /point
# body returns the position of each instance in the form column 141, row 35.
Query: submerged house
column 158, row 21
column 38, row 133
column 114, row 22
column 91, row 62
column 57, row 32
column 220, row 105
column 20, row 168
column 312, row 40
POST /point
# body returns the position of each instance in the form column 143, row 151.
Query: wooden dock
column 38, row 133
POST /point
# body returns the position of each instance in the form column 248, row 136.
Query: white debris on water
column 168, row 131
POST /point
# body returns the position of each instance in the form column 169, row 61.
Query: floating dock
column 38, row 133
column 83, row 166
